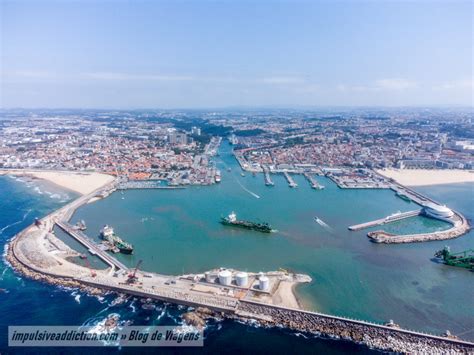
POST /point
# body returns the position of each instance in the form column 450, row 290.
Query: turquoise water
column 27, row 302
column 178, row 232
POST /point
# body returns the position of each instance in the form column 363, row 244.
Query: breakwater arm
column 375, row 336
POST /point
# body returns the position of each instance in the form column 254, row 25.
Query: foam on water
column 15, row 223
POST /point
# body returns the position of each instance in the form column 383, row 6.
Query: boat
column 231, row 220
column 242, row 174
column 464, row 259
column 403, row 196
column 81, row 225
column 107, row 234
column 218, row 176
column 229, row 169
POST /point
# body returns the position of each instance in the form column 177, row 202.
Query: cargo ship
column 107, row 234
column 231, row 220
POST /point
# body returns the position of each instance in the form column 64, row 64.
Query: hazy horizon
column 215, row 55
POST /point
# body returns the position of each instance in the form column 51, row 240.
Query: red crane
column 132, row 277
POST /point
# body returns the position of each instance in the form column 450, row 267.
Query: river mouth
column 176, row 232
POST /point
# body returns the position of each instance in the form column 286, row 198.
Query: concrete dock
column 92, row 247
column 32, row 253
column 313, row 182
column 268, row 179
column 290, row 180
column 388, row 219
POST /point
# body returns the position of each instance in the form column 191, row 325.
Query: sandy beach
column 426, row 177
column 80, row 182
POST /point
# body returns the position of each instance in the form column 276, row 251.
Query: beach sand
column 425, row 177
column 80, row 182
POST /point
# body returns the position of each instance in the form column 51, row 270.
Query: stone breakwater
column 378, row 337
column 27, row 272
column 460, row 227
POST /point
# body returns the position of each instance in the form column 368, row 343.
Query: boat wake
column 322, row 223
column 247, row 190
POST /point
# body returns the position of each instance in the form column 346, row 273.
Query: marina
column 210, row 292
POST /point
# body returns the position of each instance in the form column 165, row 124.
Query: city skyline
column 221, row 54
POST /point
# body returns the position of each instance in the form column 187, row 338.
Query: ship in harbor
column 231, row 220
column 403, row 196
column 218, row 176
column 107, row 233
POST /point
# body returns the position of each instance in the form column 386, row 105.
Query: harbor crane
column 132, row 277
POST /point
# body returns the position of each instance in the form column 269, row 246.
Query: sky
column 232, row 53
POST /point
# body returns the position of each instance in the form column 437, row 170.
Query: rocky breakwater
column 460, row 227
column 374, row 336
column 27, row 271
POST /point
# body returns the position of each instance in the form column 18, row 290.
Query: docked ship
column 107, row 234
column 231, row 220
column 403, row 196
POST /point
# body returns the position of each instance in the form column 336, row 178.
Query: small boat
column 242, row 174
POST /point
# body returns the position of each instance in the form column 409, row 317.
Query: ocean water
column 178, row 231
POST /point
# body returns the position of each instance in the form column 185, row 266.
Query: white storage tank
column 225, row 277
column 242, row 279
column 264, row 283
column 208, row 276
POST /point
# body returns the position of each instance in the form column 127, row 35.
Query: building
column 437, row 211
column 196, row 131
column 177, row 138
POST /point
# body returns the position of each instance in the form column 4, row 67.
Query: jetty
column 313, row 182
column 92, row 247
column 392, row 218
column 290, row 180
column 37, row 253
column 268, row 179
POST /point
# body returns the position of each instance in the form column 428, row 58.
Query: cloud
column 455, row 85
column 126, row 77
column 395, row 84
column 284, row 80
column 389, row 84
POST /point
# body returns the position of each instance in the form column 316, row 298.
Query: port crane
column 132, row 277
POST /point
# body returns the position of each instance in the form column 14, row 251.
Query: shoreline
column 428, row 177
column 36, row 253
column 81, row 183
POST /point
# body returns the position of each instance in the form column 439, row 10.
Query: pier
column 290, row 180
column 92, row 247
column 37, row 253
column 392, row 218
column 313, row 182
column 268, row 179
